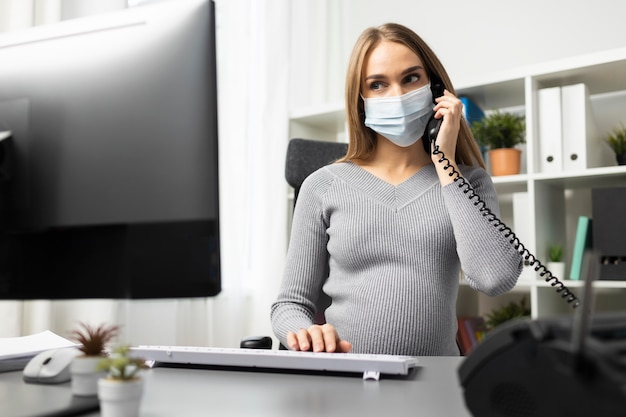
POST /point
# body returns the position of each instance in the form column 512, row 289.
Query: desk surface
column 432, row 389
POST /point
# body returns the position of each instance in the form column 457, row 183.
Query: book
column 471, row 111
column 470, row 332
column 475, row 329
column 462, row 337
column 582, row 243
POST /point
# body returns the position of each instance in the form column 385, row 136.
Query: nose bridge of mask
column 408, row 106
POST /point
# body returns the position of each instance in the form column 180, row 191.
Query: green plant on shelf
column 616, row 139
column 555, row 253
column 512, row 310
column 499, row 130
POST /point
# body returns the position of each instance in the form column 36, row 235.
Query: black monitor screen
column 109, row 182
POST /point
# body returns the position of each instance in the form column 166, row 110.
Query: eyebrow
column 406, row 71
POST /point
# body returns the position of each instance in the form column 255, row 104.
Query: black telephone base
column 530, row 368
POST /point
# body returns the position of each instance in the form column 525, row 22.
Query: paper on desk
column 19, row 347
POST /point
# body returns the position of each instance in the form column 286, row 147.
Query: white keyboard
column 278, row 359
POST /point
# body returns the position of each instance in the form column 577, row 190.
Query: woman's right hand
column 322, row 338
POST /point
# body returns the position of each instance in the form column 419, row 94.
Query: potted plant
column 555, row 264
column 93, row 341
column 617, row 141
column 512, row 310
column 121, row 390
column 498, row 133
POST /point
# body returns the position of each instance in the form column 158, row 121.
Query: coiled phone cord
column 514, row 240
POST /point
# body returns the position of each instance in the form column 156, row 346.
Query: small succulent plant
column 617, row 140
column 555, row 253
column 94, row 339
column 120, row 365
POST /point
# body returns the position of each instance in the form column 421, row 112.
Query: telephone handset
column 433, row 125
column 429, row 138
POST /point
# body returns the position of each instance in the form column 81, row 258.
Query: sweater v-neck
column 394, row 196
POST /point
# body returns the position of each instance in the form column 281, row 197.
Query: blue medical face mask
column 401, row 119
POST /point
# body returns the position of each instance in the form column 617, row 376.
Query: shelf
column 600, row 77
column 592, row 177
column 602, row 72
column 600, row 284
column 508, row 184
column 496, row 95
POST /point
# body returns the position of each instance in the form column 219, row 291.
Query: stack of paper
column 15, row 352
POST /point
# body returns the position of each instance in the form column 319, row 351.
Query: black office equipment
column 609, row 231
column 114, row 189
column 531, row 368
column 433, row 125
column 5, row 155
column 563, row 366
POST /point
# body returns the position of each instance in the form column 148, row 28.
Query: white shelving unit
column 554, row 200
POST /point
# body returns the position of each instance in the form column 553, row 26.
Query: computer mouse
column 50, row 366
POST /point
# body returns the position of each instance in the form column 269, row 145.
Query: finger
column 344, row 346
column 304, row 340
column 317, row 338
column 448, row 102
column 292, row 341
column 447, row 94
column 330, row 337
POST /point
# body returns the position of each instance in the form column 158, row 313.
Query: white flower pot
column 120, row 398
column 557, row 269
column 85, row 376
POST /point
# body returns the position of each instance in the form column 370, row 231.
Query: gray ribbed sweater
column 389, row 258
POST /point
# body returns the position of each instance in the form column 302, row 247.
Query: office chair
column 304, row 156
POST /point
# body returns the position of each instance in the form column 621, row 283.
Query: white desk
column 431, row 390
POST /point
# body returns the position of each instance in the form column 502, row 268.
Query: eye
column 375, row 85
column 411, row 78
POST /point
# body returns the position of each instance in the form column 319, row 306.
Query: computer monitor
column 113, row 160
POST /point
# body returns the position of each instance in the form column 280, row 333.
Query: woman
column 384, row 232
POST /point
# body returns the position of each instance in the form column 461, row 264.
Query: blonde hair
column 362, row 142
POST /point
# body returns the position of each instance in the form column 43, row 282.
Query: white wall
column 78, row 8
column 470, row 37
column 21, row 14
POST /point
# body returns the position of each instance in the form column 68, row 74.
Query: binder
column 582, row 148
column 581, row 243
column 471, row 111
column 608, row 231
column 550, row 130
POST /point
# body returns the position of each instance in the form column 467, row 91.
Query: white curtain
column 253, row 72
